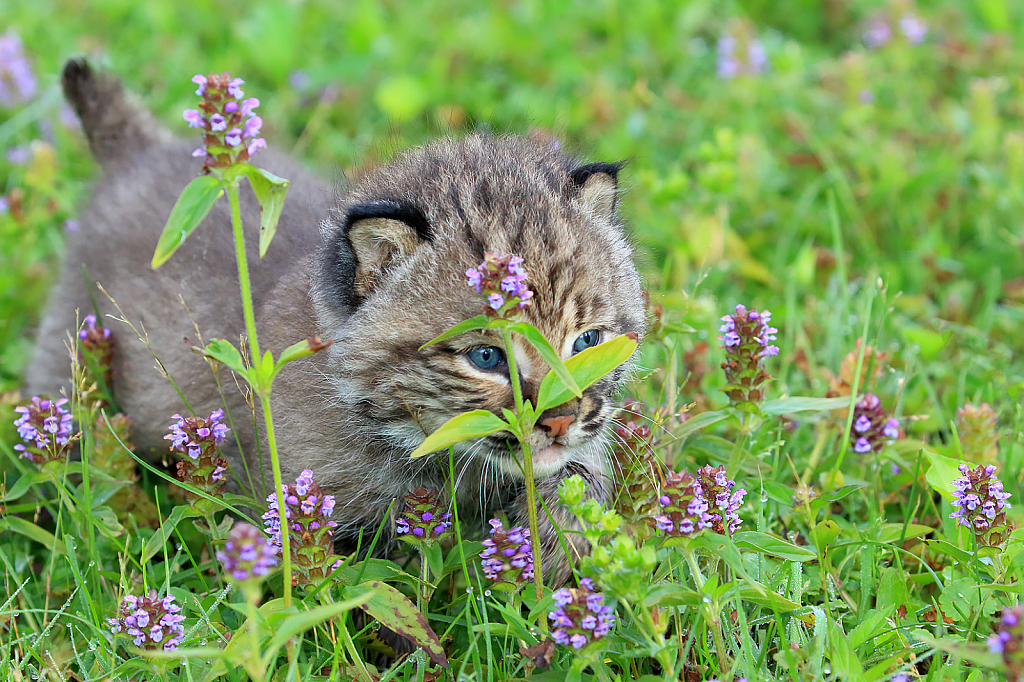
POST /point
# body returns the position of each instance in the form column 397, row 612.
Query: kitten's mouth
column 549, row 457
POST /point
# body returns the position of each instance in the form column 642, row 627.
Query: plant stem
column 710, row 616
column 262, row 392
column 251, row 597
column 531, row 490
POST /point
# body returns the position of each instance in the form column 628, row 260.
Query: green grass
column 896, row 221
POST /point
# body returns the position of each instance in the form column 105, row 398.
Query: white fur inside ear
column 377, row 243
column 598, row 194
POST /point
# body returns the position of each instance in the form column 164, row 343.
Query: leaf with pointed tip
column 270, row 191
column 550, row 355
column 587, row 368
column 478, row 322
column 397, row 613
column 224, row 352
column 769, row 544
column 459, row 428
column 192, row 205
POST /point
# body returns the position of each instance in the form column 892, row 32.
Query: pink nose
column 557, row 426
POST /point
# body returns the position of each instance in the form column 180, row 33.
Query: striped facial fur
column 392, row 278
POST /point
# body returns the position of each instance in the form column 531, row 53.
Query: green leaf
column 892, row 532
column 550, row 355
column 224, row 352
column 671, row 594
column 22, row 485
column 459, row 428
column 796, row 404
column 478, row 322
column 824, row 533
column 192, row 205
column 587, row 368
column 156, row 542
column 698, row 422
column 723, row 547
column 769, row 544
column 298, row 623
column 845, row 664
column 942, row 472
column 757, row 593
column 16, row 524
column 270, row 191
column 395, row 612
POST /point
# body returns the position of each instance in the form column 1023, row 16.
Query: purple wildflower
column 501, row 281
column 228, row 123
column 747, row 337
column 913, row 29
column 19, row 155
column 878, row 33
column 691, row 504
column 96, row 353
column 1008, row 640
column 45, row 428
column 17, row 82
column 422, row 520
column 507, row 555
column 744, row 56
column 311, row 537
column 247, row 555
column 981, row 505
column 152, row 623
column 872, row 428
column 198, row 440
column 581, row 617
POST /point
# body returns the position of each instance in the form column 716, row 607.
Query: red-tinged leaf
column 397, row 613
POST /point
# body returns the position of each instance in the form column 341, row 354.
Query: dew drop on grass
column 792, row 536
column 469, row 590
column 487, row 593
column 764, row 495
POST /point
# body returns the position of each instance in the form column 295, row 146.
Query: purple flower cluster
column 501, row 281
column 17, row 83
column 246, row 554
column 1008, row 640
column 45, row 428
column 151, row 623
column 707, row 501
column 872, row 428
column 981, row 504
column 228, row 123
column 508, row 556
column 311, row 536
column 747, row 337
column 96, row 352
column 198, row 440
column 581, row 616
column 740, row 57
column 879, row 31
column 422, row 520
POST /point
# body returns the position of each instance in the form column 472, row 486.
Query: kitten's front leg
column 557, row 558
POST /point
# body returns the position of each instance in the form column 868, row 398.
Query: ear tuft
column 598, row 185
column 382, row 233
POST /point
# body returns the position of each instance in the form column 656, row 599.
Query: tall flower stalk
column 229, row 134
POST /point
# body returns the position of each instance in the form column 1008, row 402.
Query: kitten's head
column 392, row 277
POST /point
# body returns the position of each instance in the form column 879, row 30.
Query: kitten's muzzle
column 557, row 426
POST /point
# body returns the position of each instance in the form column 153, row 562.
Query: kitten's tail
column 116, row 127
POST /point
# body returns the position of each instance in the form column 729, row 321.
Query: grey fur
column 352, row 413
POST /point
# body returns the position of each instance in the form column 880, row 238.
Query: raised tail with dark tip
column 117, row 128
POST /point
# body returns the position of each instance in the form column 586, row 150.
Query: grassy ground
column 858, row 190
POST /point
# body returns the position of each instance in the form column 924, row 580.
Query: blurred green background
column 782, row 153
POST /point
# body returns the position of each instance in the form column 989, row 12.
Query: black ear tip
column 580, row 175
column 393, row 209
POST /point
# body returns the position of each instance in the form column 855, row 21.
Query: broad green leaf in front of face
column 192, row 206
column 270, row 191
column 549, row 354
column 459, row 428
column 587, row 368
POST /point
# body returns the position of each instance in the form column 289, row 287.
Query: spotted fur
column 379, row 269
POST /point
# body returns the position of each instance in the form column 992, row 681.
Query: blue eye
column 487, row 358
column 586, row 340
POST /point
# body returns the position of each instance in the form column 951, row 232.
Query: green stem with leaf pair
column 531, row 489
column 262, row 388
column 713, row 623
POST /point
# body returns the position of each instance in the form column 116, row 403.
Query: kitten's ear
column 598, row 185
column 381, row 233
